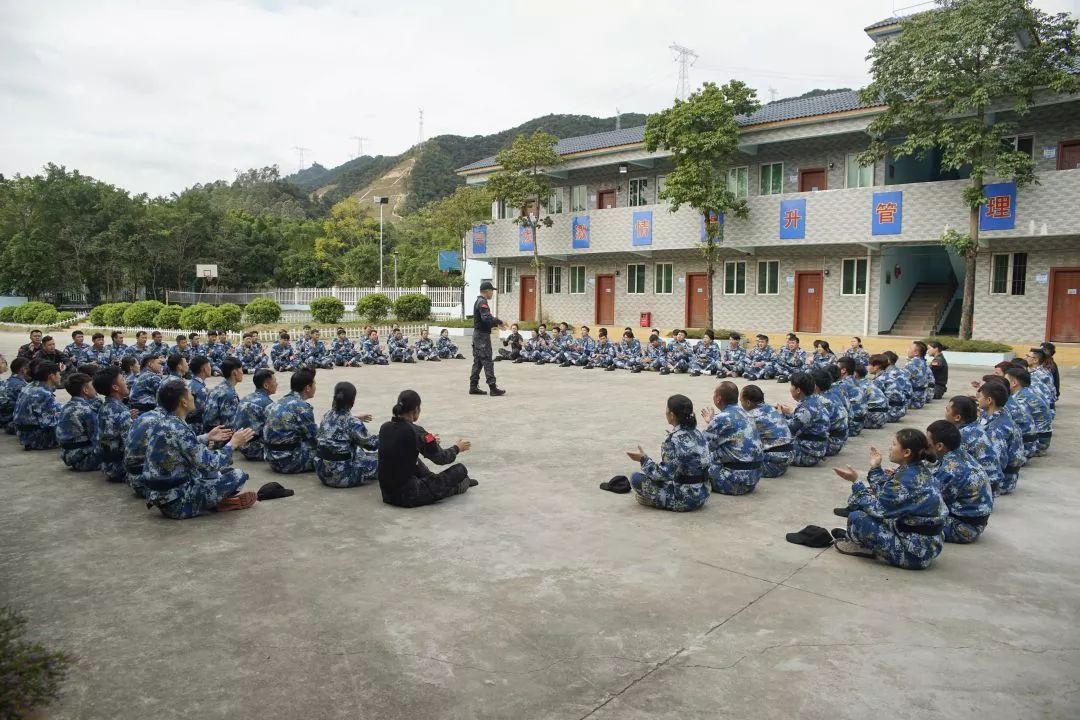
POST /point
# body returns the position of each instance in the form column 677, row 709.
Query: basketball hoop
column 206, row 271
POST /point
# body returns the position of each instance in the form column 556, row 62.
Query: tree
column 522, row 183
column 954, row 80
column 702, row 134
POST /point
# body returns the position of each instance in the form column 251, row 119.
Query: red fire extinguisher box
column 646, row 320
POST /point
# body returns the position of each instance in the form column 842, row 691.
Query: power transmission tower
column 300, row 149
column 772, row 94
column 618, row 119
column 686, row 59
column 359, row 144
column 420, row 135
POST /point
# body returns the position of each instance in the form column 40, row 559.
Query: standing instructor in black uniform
column 483, row 322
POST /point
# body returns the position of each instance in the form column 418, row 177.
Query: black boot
column 496, row 392
column 476, row 391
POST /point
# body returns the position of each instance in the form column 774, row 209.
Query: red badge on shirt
column 429, row 438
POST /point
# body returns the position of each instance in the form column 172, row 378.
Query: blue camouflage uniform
column 221, row 404
column 290, row 435
column 836, row 406
column 979, row 445
column 77, row 435
column 347, row 455
column 144, row 390
column 776, row 443
column 706, row 358
column 915, row 370
column 859, row 355
column 316, row 355
column 1043, row 382
column 399, row 349
column 679, row 356
column 197, row 388
column 732, row 360
column 283, row 357
column 161, row 349
column 903, row 385
column 184, row 477
column 10, row 389
column 114, row 424
column 560, row 347
column 735, row 450
column 530, row 351
column 877, row 403
column 679, row 482
column 581, row 350
column 1021, row 415
column 856, row 403
column 445, row 348
column 372, row 353
column 759, row 355
column 135, row 448
column 1008, row 442
column 788, row 362
column 929, row 382
column 900, row 516
column 216, row 354
column 117, row 351
column 77, row 353
column 1040, row 416
column 251, row 413
column 628, row 355
column 184, row 352
column 252, row 358
column 894, row 395
column 965, row 488
column 343, row 350
column 817, row 360
column 809, row 425
column 138, row 352
column 425, row 349
column 656, row 357
column 35, row 417
column 603, row 355
column 102, row 357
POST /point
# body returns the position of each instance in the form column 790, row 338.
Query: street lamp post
column 380, row 201
column 395, row 254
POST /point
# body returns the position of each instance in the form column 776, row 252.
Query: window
column 507, row 280
column 661, row 183
column 577, row 279
column 738, row 181
column 853, row 276
column 1020, row 143
column 579, row 199
column 1008, row 274
column 507, row 211
column 635, row 279
column 555, row 202
column 663, row 279
column 639, row 192
column 768, row 277
column 554, row 279
column 772, row 179
column 735, row 278
column 859, row 176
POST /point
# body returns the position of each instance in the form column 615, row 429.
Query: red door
column 697, row 299
column 605, row 200
column 527, row 301
column 1069, row 155
column 808, row 301
column 813, row 179
column 605, row 299
column 1063, row 313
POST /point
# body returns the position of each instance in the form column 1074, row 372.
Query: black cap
column 619, row 484
column 811, row 536
column 273, row 491
column 486, row 285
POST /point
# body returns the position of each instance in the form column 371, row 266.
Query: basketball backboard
column 206, row 271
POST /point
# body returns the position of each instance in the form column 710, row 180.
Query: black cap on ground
column 811, row 536
column 618, row 484
column 273, row 491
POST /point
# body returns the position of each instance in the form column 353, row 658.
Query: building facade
column 829, row 246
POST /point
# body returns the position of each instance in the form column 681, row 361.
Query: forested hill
column 432, row 177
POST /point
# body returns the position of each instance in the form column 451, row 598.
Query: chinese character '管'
column 886, row 213
column 999, row 206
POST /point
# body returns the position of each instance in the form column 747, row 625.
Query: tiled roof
column 881, row 23
column 772, row 112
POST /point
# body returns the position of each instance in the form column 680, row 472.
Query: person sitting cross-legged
column 734, row 443
column 808, row 421
column 221, row 402
column 251, row 412
column 680, row 481
column 114, row 422
column 963, row 483
column 36, row 410
column 77, row 428
column 777, row 447
column 290, row 433
column 347, row 454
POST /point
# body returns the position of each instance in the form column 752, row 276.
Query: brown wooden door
column 527, row 301
column 605, row 299
column 813, row 179
column 808, row 301
column 1069, row 155
column 605, row 200
column 697, row 299
column 1063, row 313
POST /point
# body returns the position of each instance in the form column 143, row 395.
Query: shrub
column 98, row 313
column 699, row 333
column 454, row 323
column 412, row 307
column 232, row 313
column 374, row 308
column 261, row 311
column 32, row 673
column 168, row 317
column 66, row 316
column 48, row 316
column 974, row 346
column 7, row 313
column 220, row 319
column 143, row 313
column 193, row 317
column 114, row 316
column 28, row 311
column 328, row 309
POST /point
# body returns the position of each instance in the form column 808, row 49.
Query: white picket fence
column 79, row 317
column 328, row 333
column 441, row 297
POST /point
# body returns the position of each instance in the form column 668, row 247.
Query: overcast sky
column 155, row 96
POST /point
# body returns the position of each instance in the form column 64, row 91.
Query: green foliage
column 961, row 242
column 327, row 309
column 374, row 308
column 220, row 319
column 48, row 316
column 28, row 311
column 114, row 316
column 412, row 307
column 143, row 313
column 194, row 316
column 32, row 673
column 7, row 313
column 261, row 311
column 452, row 323
column 973, row 346
column 168, row 317
column 66, row 316
column 232, row 314
column 699, row 333
column 97, row 314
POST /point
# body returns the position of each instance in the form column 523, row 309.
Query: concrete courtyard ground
column 536, row 595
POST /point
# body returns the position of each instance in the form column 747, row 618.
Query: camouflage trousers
column 809, row 453
column 895, row 412
column 290, row 462
column 875, row 419
column 836, row 444
column 918, row 398
column 733, row 482
column 201, row 495
column 1008, row 482
column 758, row 373
column 254, row 450
column 362, row 469
column 958, row 531
column 775, row 464
column 668, row 495
column 252, row 366
column 114, row 471
column 38, row 439
column 901, row 549
column 82, row 459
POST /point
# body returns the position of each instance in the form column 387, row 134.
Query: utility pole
column 301, row 149
column 618, row 119
column 359, row 144
column 772, row 94
column 395, row 254
column 686, row 59
column 420, row 137
column 381, row 202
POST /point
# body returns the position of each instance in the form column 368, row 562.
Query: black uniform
column 28, row 350
column 940, row 368
column 404, row 479
column 483, row 322
column 516, row 343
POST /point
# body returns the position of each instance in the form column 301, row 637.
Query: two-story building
column 830, row 246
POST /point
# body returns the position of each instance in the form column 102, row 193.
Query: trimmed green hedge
column 114, row 316
column 168, row 318
column 194, row 316
column 28, row 312
column 973, row 346
column 327, row 309
column 374, row 308
column 143, row 313
column 7, row 313
column 66, row 316
column 412, row 307
column 261, row 311
column 48, row 316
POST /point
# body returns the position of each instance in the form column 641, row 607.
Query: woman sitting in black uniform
column 404, row 479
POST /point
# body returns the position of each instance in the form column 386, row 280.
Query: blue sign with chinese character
column 715, row 217
column 526, row 239
column 999, row 212
column 479, row 239
column 641, row 231
column 579, row 232
column 886, row 213
column 793, row 219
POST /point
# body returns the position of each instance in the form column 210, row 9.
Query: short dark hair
column 860, row 370
column 920, row 348
column 170, row 394
column 846, row 364
column 18, row 364
column 114, row 333
column 174, row 361
column 880, row 360
column 584, row 327
column 75, row 333
column 47, row 338
column 944, row 432
column 763, row 337
column 229, row 365
column 261, row 376
column 97, row 336
column 965, row 407
column 996, row 392
column 753, row 394
column 834, row 372
column 735, row 336
column 937, row 346
column 128, row 363
column 181, row 337
column 198, row 363
column 653, row 338
column 105, row 379
column 283, row 336
column 146, row 360
column 75, row 383
column 822, row 379
column 44, row 369
column 89, row 369
column 1021, row 374
column 893, row 357
column 729, row 392
column 301, row 379
column 803, row 381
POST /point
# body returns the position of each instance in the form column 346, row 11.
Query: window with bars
column 639, row 192
column 735, row 278
column 507, row 280
column 662, row 284
column 1008, row 274
column 577, row 279
column 554, row 280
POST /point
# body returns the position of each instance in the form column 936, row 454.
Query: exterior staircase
column 923, row 309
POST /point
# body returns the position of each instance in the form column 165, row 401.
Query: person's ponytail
column 344, row 396
column 407, row 402
column 683, row 410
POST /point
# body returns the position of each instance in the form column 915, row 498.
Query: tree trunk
column 539, row 279
column 970, row 257
column 710, row 270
